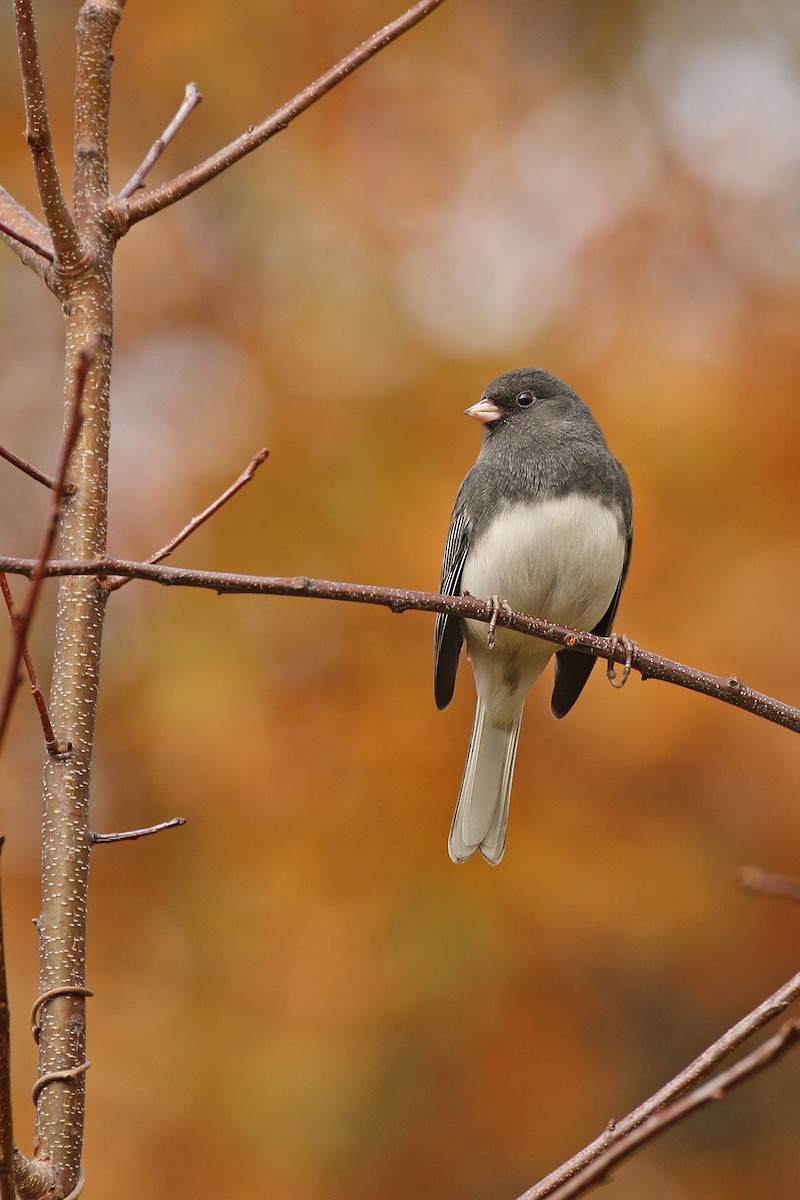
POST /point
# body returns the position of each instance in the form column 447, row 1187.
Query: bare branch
column 191, row 99
column 728, row 689
column 34, row 1179
column 50, row 741
column 132, row 835
column 708, row 1093
column 19, row 230
column 618, row 1131
column 22, row 465
column 26, row 241
column 66, row 243
column 756, row 880
column 156, row 199
column 7, row 1190
column 22, row 623
column 195, row 523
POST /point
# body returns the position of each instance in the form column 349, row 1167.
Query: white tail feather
column 479, row 822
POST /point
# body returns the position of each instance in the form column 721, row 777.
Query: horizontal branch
column 727, row 688
column 133, row 835
column 156, row 199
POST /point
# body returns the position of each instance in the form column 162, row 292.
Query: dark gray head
column 528, row 398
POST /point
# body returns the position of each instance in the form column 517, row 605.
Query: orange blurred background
column 298, row 994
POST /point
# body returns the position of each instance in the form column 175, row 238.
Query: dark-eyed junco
column 543, row 522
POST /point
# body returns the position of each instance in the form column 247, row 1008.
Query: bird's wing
column 449, row 635
column 572, row 666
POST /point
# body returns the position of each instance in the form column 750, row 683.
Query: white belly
column 558, row 559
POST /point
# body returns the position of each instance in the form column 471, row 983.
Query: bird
column 542, row 524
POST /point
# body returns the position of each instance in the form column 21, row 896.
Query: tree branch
column 715, row 1089
column 26, row 236
column 156, row 199
column 50, row 741
column 618, row 1131
column 754, row 879
column 192, row 97
column 26, row 241
column 23, row 618
column 26, row 467
column 66, row 243
column 729, row 689
column 133, row 835
column 247, row 474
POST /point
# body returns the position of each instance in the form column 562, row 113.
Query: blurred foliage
column 298, row 994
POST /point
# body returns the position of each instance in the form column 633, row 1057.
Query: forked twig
column 191, row 99
column 22, row 623
column 247, row 474
column 714, row 1089
column 619, row 1131
column 156, row 199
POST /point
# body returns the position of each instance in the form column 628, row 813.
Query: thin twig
column 22, row 623
column 618, row 1131
column 7, row 1190
column 156, row 199
column 756, row 880
column 726, row 688
column 191, row 99
column 195, row 523
column 16, row 219
column 715, row 1089
column 25, row 466
column 66, row 242
column 50, row 741
column 26, row 241
column 131, row 835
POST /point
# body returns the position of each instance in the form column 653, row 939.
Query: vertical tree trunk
column 85, row 292
column 66, row 842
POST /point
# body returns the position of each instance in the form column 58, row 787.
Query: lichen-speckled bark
column 66, row 845
column 87, row 304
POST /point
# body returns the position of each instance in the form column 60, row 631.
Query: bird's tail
column 479, row 822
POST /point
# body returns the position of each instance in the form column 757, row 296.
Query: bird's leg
column 630, row 649
column 498, row 606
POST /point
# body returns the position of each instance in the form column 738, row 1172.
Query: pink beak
column 484, row 411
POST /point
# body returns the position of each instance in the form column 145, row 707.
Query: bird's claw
column 630, row 649
column 498, row 606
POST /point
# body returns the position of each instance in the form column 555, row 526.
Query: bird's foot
column 498, row 606
column 630, row 649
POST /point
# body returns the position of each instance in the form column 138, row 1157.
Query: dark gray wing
column 572, row 667
column 449, row 635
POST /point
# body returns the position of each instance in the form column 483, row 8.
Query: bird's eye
column 525, row 399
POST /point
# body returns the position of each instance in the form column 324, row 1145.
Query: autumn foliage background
column 298, row 994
